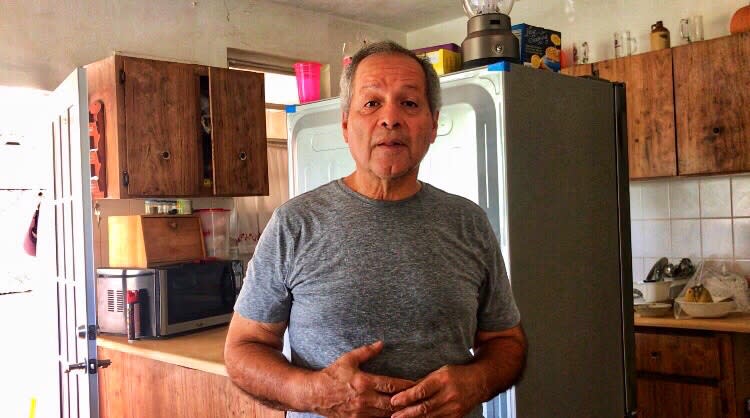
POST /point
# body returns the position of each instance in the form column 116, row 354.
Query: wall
column 703, row 218
column 596, row 20
column 44, row 40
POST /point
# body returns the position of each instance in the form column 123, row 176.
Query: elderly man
column 384, row 282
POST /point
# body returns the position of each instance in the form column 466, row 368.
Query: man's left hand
column 450, row 391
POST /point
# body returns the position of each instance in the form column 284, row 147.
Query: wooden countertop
column 202, row 350
column 734, row 322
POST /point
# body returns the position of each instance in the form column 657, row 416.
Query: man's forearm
column 267, row 376
column 498, row 364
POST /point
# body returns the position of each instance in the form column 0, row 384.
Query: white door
column 66, row 247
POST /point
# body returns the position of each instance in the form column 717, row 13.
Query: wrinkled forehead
column 382, row 70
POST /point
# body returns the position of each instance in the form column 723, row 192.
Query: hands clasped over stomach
column 349, row 392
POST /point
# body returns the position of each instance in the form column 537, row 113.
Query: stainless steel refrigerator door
column 569, row 243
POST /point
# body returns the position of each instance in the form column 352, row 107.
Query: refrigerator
column 545, row 155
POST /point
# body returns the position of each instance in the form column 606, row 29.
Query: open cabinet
column 174, row 129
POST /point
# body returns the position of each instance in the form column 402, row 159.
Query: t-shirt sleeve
column 497, row 307
column 265, row 296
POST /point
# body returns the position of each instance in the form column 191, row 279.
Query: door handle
column 89, row 365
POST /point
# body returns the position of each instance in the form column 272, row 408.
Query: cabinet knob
column 243, row 156
column 165, row 155
column 655, row 355
column 716, row 130
column 173, row 225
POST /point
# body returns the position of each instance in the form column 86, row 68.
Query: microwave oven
column 171, row 299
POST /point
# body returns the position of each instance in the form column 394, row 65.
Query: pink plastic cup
column 308, row 81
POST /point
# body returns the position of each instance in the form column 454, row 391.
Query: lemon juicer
column 489, row 38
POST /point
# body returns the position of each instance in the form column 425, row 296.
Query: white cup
column 624, row 44
column 691, row 28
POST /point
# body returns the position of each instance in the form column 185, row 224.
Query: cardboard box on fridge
column 444, row 58
column 539, row 47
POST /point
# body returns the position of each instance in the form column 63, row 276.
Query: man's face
column 389, row 126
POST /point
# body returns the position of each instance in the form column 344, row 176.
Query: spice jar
column 659, row 36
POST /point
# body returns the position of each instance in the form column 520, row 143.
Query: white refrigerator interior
column 545, row 156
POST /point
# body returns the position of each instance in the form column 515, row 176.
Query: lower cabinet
column 686, row 373
column 137, row 387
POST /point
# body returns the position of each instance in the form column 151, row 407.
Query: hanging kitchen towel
column 29, row 240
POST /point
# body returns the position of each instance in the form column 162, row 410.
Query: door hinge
column 122, row 76
column 125, row 178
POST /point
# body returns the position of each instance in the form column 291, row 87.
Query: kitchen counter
column 203, row 350
column 734, row 322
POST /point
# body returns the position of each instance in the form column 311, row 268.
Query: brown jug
column 659, row 36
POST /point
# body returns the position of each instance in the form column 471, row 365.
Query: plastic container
column 308, row 80
column 215, row 227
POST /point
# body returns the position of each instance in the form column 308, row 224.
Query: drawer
column 683, row 355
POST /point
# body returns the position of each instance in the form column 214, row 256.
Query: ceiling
column 404, row 15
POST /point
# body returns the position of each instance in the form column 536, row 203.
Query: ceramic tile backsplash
column 684, row 200
column 716, row 238
column 742, row 238
column 655, row 200
column 741, row 195
column 686, row 238
column 716, row 201
column 703, row 218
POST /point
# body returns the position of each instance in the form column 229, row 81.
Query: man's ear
column 345, row 126
column 435, row 126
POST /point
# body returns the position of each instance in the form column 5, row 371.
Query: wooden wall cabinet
column 177, row 129
column 687, row 107
column 712, row 96
column 691, row 374
column 650, row 107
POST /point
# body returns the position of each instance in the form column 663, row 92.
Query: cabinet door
column 669, row 399
column 712, row 101
column 238, row 132
column 651, row 131
column 578, row 70
column 161, row 128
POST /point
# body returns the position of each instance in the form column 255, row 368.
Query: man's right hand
column 346, row 391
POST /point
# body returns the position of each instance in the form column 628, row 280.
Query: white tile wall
column 703, row 218
column 715, row 198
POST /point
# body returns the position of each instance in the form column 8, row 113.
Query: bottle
column 659, row 36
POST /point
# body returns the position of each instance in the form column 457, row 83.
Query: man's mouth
column 391, row 143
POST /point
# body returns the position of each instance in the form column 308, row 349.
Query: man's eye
column 409, row 103
column 371, row 103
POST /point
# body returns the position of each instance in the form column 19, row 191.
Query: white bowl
column 706, row 310
column 653, row 291
column 652, row 309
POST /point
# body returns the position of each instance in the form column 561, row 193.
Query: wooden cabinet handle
column 173, row 225
column 716, row 130
column 243, row 156
column 165, row 155
column 655, row 355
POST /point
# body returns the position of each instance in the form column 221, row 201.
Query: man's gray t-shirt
column 421, row 274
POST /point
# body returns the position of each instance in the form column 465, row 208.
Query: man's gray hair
column 432, row 81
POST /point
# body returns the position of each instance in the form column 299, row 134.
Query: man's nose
column 391, row 116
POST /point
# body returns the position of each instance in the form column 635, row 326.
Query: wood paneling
column 161, row 127
column 136, row 387
column 651, row 113
column 669, row 399
column 578, row 70
column 683, row 355
column 238, row 132
column 712, row 101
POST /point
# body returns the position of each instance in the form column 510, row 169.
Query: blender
column 489, row 38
